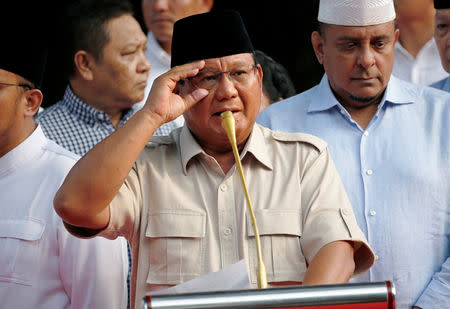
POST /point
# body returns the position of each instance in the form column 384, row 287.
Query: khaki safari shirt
column 185, row 218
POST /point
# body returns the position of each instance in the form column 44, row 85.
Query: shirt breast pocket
column 280, row 232
column 176, row 246
column 20, row 245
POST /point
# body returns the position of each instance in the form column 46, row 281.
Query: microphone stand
column 229, row 126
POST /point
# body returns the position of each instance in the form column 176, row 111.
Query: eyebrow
column 354, row 38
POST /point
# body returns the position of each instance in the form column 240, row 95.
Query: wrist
column 151, row 118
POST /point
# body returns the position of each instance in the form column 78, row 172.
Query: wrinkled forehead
column 231, row 61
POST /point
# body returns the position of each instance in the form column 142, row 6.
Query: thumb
column 195, row 96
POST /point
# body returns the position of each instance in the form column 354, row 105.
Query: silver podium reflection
column 372, row 295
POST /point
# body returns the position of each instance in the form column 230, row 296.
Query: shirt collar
column 23, row 153
column 256, row 145
column 427, row 49
column 324, row 98
column 397, row 92
column 87, row 113
column 156, row 49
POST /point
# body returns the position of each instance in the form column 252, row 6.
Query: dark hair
column 276, row 81
column 321, row 28
column 84, row 27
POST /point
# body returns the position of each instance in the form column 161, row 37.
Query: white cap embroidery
column 356, row 12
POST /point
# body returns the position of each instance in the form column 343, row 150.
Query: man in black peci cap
column 42, row 266
column 180, row 202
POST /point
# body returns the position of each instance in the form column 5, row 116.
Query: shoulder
column 58, row 156
column 280, row 113
column 156, row 141
column 160, row 147
column 305, row 139
column 293, row 102
column 424, row 97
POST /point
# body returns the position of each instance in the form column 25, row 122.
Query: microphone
column 228, row 125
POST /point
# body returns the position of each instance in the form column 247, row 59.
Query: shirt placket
column 367, row 174
column 227, row 228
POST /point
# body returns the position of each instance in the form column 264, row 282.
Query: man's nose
column 160, row 5
column 366, row 57
column 225, row 88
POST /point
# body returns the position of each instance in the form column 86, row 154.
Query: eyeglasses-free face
column 208, row 79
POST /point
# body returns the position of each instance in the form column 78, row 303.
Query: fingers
column 186, row 70
column 194, row 97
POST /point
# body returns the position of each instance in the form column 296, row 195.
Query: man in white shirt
column 416, row 56
column 41, row 265
column 442, row 37
column 159, row 17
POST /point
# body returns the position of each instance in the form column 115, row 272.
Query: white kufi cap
column 356, row 12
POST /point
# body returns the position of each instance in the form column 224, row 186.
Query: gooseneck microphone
column 228, row 125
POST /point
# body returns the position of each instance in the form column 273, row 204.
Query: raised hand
column 163, row 102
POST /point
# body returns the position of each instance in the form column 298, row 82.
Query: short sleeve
column 125, row 209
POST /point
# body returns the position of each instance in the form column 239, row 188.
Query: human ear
column 317, row 43
column 208, row 4
column 33, row 99
column 83, row 63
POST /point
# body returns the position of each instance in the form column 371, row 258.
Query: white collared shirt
column 41, row 265
column 160, row 63
column 425, row 69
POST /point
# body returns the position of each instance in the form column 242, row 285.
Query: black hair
column 276, row 81
column 84, row 27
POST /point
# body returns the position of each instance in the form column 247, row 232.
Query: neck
column 415, row 33
column 166, row 45
column 225, row 160
column 364, row 115
column 11, row 141
column 224, row 156
column 93, row 99
column 361, row 112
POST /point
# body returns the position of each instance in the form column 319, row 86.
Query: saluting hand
column 163, row 102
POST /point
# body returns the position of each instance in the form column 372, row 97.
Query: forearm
column 332, row 264
column 93, row 182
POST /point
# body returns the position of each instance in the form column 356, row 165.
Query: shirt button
column 376, row 257
column 373, row 212
column 227, row 231
column 342, row 111
column 223, row 187
column 369, row 172
column 366, row 133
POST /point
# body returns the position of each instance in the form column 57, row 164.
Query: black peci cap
column 441, row 4
column 24, row 49
column 214, row 34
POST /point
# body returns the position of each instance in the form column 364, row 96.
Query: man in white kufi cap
column 390, row 141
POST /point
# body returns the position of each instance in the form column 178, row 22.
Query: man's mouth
column 218, row 113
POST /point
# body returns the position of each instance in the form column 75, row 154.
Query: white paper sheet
column 232, row 277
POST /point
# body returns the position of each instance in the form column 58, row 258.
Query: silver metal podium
column 372, row 295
